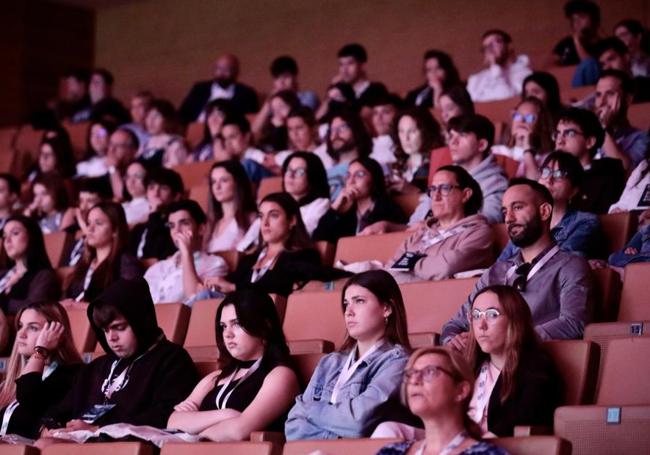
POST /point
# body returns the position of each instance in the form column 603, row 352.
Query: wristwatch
column 43, row 352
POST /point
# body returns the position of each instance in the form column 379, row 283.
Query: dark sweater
column 33, row 286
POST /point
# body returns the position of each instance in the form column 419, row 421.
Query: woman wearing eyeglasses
column 454, row 239
column 530, row 137
column 357, row 387
column 437, row 387
column 574, row 231
column 362, row 202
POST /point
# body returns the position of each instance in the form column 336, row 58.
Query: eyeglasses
column 527, row 118
column 491, row 314
column 426, row 374
column 356, row 175
column 297, row 172
column 444, row 188
column 567, row 134
column 557, row 174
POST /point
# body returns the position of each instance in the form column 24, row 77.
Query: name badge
column 407, row 261
column 645, row 197
column 96, row 412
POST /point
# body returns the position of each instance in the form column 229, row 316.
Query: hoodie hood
column 132, row 299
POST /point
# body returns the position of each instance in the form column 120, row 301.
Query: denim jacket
column 577, row 232
column 368, row 398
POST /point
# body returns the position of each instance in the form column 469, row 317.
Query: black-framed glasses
column 426, row 374
column 569, row 133
column 555, row 173
column 490, row 315
column 526, row 118
column 297, row 172
column 443, row 188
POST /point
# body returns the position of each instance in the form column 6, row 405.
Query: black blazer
column 244, row 99
column 126, row 266
column 602, row 185
column 33, row 286
column 412, row 96
column 533, row 401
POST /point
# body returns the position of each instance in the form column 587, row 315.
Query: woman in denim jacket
column 356, row 388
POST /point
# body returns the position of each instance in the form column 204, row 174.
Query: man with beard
column 555, row 284
column 347, row 140
column 223, row 86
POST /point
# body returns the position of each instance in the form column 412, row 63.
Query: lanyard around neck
column 536, row 266
column 250, row 371
column 349, row 367
column 454, row 444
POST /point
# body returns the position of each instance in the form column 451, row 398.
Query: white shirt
column 165, row 278
column 217, row 92
column 136, row 210
column 254, row 154
column 383, row 150
column 497, row 82
column 92, row 167
column 634, row 189
column 321, row 152
column 228, row 239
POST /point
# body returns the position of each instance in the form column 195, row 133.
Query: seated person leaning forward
column 555, row 284
column 138, row 381
column 178, row 278
column 355, row 388
column 254, row 386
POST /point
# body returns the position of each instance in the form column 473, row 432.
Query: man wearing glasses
column 579, row 133
column 555, row 284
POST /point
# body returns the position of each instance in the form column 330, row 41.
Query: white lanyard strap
column 349, row 367
column 482, row 395
column 9, row 411
column 428, row 240
column 5, row 279
column 454, row 444
column 87, row 279
column 110, row 385
column 538, row 265
column 259, row 273
column 250, row 371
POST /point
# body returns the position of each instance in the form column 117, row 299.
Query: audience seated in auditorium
column 579, row 133
column 384, row 110
column 49, row 204
column 352, row 59
column 455, row 239
column 347, row 140
column 138, row 381
column 73, row 100
column 9, row 195
column 254, row 367
column 93, row 163
column 544, row 87
column 638, row 248
column 151, row 239
column 270, row 124
column 140, row 104
column 40, row 369
column 103, row 104
column 584, row 20
column 234, row 143
column 555, row 284
column 54, row 155
column 572, row 230
column 437, row 387
column 362, row 202
column 612, row 54
column 339, row 97
column 355, row 388
column 164, row 146
column 284, row 258
column 530, row 137
column 301, row 133
column 136, row 207
column 215, row 113
column 455, row 102
column 305, row 180
column 26, row 274
column 440, row 73
column 416, row 134
column 122, row 148
column 505, row 73
column 92, row 191
column 104, row 259
column 634, row 36
column 224, row 85
column 636, row 195
column 284, row 71
column 179, row 277
column 231, row 207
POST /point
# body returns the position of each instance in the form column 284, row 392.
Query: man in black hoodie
column 141, row 377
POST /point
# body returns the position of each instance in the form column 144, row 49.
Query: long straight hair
column 65, row 352
column 385, row 288
column 36, row 254
column 298, row 238
column 520, row 336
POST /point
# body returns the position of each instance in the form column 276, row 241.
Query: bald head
column 226, row 70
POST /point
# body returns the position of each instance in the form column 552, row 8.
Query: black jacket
column 602, row 185
column 244, row 99
column 126, row 266
column 33, row 286
column 158, row 243
column 162, row 373
column 537, row 393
